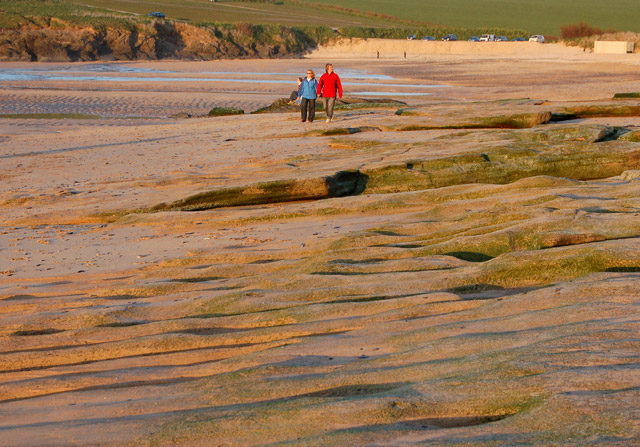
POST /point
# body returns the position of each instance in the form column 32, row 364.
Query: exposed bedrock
column 579, row 154
column 343, row 183
column 156, row 40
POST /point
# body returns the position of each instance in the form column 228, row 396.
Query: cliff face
column 157, row 40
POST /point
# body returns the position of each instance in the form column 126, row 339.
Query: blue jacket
column 308, row 89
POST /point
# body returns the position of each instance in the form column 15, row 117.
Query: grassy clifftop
column 58, row 30
column 155, row 40
column 50, row 30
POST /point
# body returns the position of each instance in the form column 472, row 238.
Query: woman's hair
column 313, row 75
column 299, row 79
column 326, row 67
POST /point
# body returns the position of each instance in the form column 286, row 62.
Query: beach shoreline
column 477, row 282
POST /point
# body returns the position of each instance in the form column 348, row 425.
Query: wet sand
column 561, row 74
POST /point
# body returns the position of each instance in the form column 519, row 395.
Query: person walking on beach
column 328, row 86
column 308, row 93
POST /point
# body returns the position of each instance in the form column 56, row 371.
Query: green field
column 538, row 16
column 542, row 16
column 314, row 18
column 280, row 12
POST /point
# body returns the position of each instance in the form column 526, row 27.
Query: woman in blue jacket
column 308, row 93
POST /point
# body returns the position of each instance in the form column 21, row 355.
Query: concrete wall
column 613, row 47
column 396, row 48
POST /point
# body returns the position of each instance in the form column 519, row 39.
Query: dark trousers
column 308, row 109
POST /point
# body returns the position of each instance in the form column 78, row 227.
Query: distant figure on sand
column 328, row 86
column 295, row 94
column 308, row 93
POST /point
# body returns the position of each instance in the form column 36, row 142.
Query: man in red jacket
column 328, row 85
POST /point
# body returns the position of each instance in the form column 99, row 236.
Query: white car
column 487, row 38
column 537, row 38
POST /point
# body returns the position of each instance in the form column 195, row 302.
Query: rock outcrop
column 156, row 40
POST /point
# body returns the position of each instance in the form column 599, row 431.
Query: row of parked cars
column 484, row 38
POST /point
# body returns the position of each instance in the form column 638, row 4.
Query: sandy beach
column 468, row 312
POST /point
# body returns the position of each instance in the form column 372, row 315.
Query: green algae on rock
column 600, row 111
column 341, row 184
column 633, row 136
column 408, row 112
column 224, row 111
column 518, row 121
column 344, row 131
column 626, row 95
column 283, row 105
column 502, row 165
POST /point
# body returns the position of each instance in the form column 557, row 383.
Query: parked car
column 502, row 39
column 487, row 38
column 518, row 39
column 537, row 38
column 428, row 38
column 450, row 37
column 474, row 39
column 411, row 37
column 159, row 15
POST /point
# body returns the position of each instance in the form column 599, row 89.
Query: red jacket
column 330, row 82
